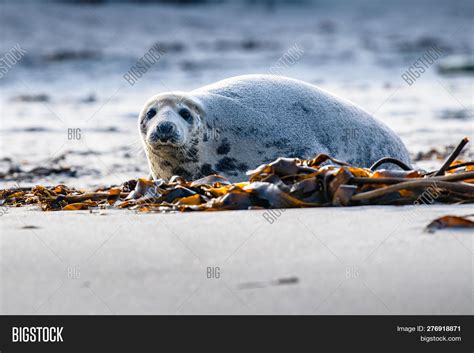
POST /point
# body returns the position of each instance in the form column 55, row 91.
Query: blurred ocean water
column 70, row 78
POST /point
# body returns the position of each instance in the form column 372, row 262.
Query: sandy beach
column 360, row 260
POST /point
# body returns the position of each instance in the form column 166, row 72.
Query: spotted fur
column 242, row 122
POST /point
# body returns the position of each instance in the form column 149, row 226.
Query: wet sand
column 358, row 50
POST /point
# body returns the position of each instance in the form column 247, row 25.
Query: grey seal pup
column 239, row 123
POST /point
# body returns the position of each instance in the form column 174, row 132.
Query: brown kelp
column 283, row 183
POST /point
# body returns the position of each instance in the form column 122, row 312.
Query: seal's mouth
column 157, row 144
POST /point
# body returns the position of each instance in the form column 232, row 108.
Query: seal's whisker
column 135, row 147
column 183, row 151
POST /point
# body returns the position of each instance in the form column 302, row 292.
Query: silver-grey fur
column 244, row 121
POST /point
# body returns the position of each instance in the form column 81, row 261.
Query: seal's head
column 168, row 120
column 169, row 124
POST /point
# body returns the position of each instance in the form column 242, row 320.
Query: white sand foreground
column 360, row 260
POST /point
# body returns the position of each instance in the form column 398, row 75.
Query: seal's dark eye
column 186, row 115
column 151, row 113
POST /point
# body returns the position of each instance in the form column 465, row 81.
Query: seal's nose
column 166, row 131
